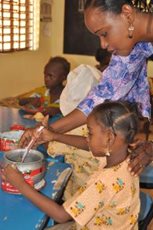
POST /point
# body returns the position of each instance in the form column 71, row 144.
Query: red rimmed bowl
column 33, row 168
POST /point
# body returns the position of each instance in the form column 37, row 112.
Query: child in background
column 110, row 197
column 103, row 57
column 46, row 99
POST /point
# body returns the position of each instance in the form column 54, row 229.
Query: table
column 16, row 212
column 11, row 116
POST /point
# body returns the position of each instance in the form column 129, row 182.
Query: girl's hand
column 27, row 136
column 12, row 175
column 45, row 135
column 141, row 156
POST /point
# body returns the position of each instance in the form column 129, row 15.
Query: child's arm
column 24, row 101
column 34, row 101
column 73, row 140
column 47, row 136
column 51, row 111
column 50, row 207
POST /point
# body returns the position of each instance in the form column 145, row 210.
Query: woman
column 119, row 27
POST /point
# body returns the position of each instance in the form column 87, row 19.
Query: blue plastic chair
column 146, row 178
column 146, row 211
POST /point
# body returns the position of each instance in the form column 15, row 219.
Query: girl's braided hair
column 144, row 5
column 119, row 116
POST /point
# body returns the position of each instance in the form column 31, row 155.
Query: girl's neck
column 117, row 157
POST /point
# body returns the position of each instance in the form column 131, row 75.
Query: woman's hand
column 12, row 175
column 140, row 157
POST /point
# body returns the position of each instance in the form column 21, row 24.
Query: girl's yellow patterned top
column 112, row 196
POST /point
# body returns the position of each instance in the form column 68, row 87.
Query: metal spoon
column 27, row 149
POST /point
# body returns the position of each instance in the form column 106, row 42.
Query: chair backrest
column 146, row 180
column 146, row 211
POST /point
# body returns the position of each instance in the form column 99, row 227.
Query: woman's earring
column 130, row 31
column 107, row 154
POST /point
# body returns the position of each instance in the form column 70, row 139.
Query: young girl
column 110, row 198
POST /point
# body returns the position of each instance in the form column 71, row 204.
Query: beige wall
column 150, row 69
column 22, row 71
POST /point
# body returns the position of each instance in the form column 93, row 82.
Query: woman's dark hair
column 62, row 61
column 119, row 116
column 115, row 6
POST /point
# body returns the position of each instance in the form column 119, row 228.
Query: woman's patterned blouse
column 125, row 78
